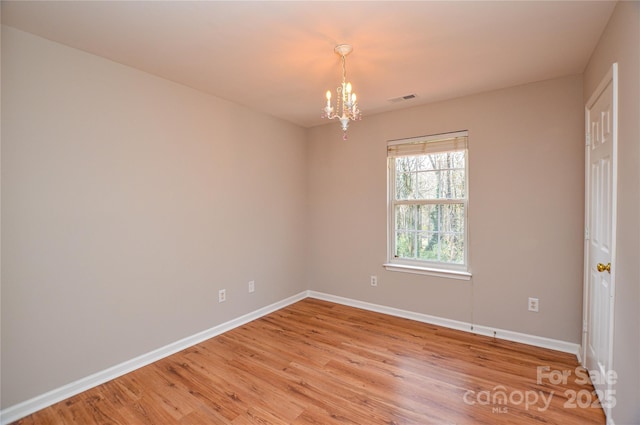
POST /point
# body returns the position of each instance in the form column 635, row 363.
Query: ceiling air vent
column 402, row 98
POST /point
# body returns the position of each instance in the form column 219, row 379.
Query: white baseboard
column 538, row 341
column 579, row 354
column 20, row 410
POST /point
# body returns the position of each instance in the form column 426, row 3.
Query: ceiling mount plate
column 343, row 49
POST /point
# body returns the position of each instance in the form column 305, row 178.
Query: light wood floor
column 316, row 362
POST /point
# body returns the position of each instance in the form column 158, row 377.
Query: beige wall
column 526, row 164
column 621, row 43
column 127, row 202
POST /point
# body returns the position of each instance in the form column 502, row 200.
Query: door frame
column 610, row 77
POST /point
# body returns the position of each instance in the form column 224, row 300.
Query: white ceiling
column 277, row 57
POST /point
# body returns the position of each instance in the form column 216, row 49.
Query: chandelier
column 346, row 107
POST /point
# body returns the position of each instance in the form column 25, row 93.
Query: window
column 428, row 194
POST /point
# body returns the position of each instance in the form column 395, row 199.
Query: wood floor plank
column 316, row 362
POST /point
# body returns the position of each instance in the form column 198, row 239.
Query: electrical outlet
column 252, row 286
column 222, row 295
column 374, row 280
column 534, row 304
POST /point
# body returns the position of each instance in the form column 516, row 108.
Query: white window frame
column 426, row 145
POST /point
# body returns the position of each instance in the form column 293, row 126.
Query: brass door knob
column 601, row 267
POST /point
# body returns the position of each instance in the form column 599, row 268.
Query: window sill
column 449, row 274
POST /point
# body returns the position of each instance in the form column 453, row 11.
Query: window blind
column 428, row 144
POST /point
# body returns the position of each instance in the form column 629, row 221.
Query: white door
column 600, row 236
